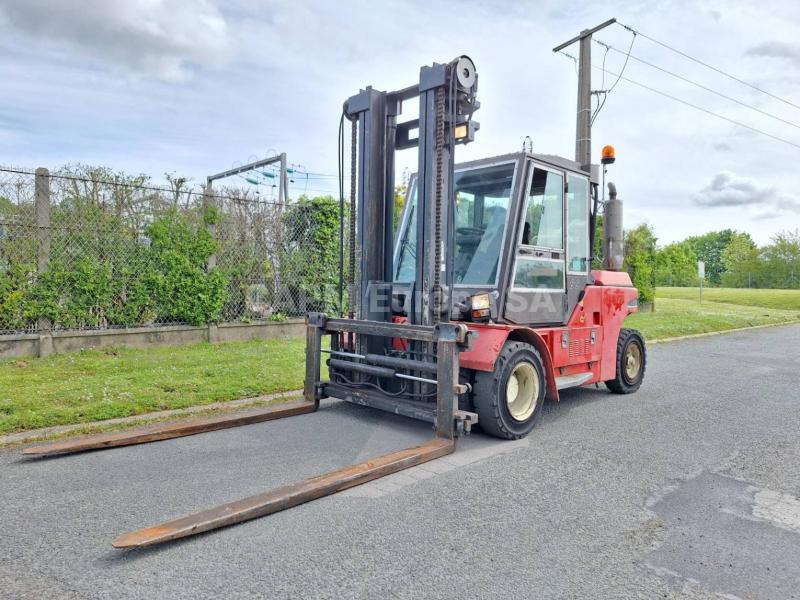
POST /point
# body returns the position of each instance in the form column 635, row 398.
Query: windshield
column 406, row 260
column 482, row 198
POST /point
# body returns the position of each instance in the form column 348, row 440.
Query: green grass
column 676, row 317
column 782, row 299
column 95, row 385
column 91, row 386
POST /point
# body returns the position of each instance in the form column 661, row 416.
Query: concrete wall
column 17, row 346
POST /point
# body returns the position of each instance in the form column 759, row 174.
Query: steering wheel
column 469, row 231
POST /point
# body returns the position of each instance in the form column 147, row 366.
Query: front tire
column 509, row 400
column 631, row 363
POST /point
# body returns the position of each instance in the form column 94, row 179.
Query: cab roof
column 552, row 160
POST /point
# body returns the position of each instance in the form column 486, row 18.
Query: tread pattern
column 487, row 400
column 618, row 385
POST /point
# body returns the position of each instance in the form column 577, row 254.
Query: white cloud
column 789, row 204
column 164, row 39
column 773, row 49
column 729, row 190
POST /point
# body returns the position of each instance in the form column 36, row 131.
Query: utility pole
column 583, row 125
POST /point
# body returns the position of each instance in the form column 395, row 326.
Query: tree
column 676, row 264
column 782, row 260
column 309, row 264
column 180, row 186
column 597, row 251
column 742, row 262
column 97, row 190
column 709, row 248
column 399, row 202
column 640, row 260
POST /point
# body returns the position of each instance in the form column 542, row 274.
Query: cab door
column 578, row 255
column 537, row 292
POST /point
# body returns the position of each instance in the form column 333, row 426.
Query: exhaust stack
column 613, row 247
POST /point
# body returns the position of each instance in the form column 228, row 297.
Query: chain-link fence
column 86, row 249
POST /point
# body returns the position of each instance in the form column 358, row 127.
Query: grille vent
column 579, row 348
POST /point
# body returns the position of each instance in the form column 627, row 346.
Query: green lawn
column 783, row 299
column 91, row 386
column 676, row 317
column 95, row 385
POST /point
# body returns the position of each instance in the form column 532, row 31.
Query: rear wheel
column 509, row 400
column 631, row 363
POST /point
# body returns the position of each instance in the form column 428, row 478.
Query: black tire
column 625, row 383
column 489, row 392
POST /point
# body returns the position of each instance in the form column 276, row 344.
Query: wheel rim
column 633, row 361
column 522, row 391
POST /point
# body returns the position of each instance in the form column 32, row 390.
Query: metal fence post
column 208, row 203
column 283, row 182
column 42, row 206
column 211, row 264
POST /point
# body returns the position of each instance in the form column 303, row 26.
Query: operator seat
column 483, row 266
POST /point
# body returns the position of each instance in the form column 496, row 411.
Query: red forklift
column 484, row 303
column 478, row 309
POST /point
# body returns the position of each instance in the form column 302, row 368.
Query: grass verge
column 780, row 299
column 108, row 426
column 675, row 317
column 96, row 385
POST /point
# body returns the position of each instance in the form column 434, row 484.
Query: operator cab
column 522, row 231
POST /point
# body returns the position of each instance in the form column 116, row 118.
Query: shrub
column 309, row 261
column 640, row 260
column 14, row 310
column 183, row 288
column 103, row 277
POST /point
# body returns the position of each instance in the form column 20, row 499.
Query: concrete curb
column 228, row 406
column 56, row 342
column 724, row 331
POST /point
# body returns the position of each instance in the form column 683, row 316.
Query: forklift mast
column 407, row 367
column 447, row 101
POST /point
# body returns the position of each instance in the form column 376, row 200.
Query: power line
column 605, row 93
column 700, row 108
column 602, row 91
column 625, row 64
column 699, row 85
column 708, row 66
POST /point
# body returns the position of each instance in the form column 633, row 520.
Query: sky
column 193, row 87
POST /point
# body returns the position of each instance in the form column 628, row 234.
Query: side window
column 539, row 273
column 577, row 224
column 544, row 217
column 543, row 228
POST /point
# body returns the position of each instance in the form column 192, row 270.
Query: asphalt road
column 687, row 489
